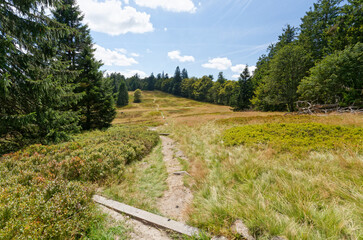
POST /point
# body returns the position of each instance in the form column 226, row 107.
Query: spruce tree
column 245, row 90
column 35, row 90
column 97, row 106
column 123, row 95
column 184, row 74
column 176, row 83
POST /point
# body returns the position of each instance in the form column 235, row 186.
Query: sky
column 203, row 36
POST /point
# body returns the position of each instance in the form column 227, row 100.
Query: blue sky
column 203, row 36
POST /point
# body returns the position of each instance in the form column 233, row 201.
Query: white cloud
column 126, row 1
column 121, row 50
column 240, row 67
column 165, row 29
column 134, row 54
column 175, row 55
column 109, row 17
column 148, row 50
column 113, row 57
column 169, row 5
column 218, row 63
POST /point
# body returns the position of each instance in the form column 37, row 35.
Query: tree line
column 50, row 82
column 320, row 62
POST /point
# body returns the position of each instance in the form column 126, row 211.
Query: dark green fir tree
column 97, row 105
column 123, row 96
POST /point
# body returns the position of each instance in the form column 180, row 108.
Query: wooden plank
column 147, row 216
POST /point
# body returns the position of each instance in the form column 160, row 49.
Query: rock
column 238, row 227
column 181, row 173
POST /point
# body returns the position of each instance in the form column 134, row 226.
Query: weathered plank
column 147, row 216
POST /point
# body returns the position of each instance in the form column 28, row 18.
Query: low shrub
column 45, row 191
column 296, row 137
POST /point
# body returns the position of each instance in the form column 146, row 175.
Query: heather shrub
column 296, row 137
column 45, row 191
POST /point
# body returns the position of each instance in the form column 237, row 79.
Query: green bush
column 45, row 191
column 296, row 137
column 137, row 96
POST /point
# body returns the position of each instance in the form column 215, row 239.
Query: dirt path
column 176, row 199
column 140, row 230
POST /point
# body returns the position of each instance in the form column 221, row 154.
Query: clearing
column 302, row 191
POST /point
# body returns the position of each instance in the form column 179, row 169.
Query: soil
column 176, row 199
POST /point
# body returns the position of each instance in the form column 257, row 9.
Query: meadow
column 294, row 176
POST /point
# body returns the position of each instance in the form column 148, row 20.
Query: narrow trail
column 176, row 199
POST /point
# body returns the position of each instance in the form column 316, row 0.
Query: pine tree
column 35, row 90
column 97, row 106
column 123, row 95
column 315, row 25
column 176, row 83
column 245, row 90
column 184, row 74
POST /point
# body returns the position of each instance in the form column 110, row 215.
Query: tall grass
column 318, row 195
column 142, row 184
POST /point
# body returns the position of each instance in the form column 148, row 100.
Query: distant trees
column 176, row 82
column 320, row 62
column 137, row 96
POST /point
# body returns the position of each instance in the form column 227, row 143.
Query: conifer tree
column 176, row 83
column 35, row 90
column 184, row 74
column 245, row 90
column 123, row 96
column 97, row 106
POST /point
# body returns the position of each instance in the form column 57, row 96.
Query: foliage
column 36, row 94
column 245, row 90
column 137, row 96
column 123, row 95
column 314, row 27
column 278, row 87
column 296, row 137
column 337, row 78
column 97, row 106
column 46, row 190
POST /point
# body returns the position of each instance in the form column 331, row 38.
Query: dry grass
column 317, row 195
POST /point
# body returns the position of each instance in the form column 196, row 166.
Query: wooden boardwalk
column 148, row 217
